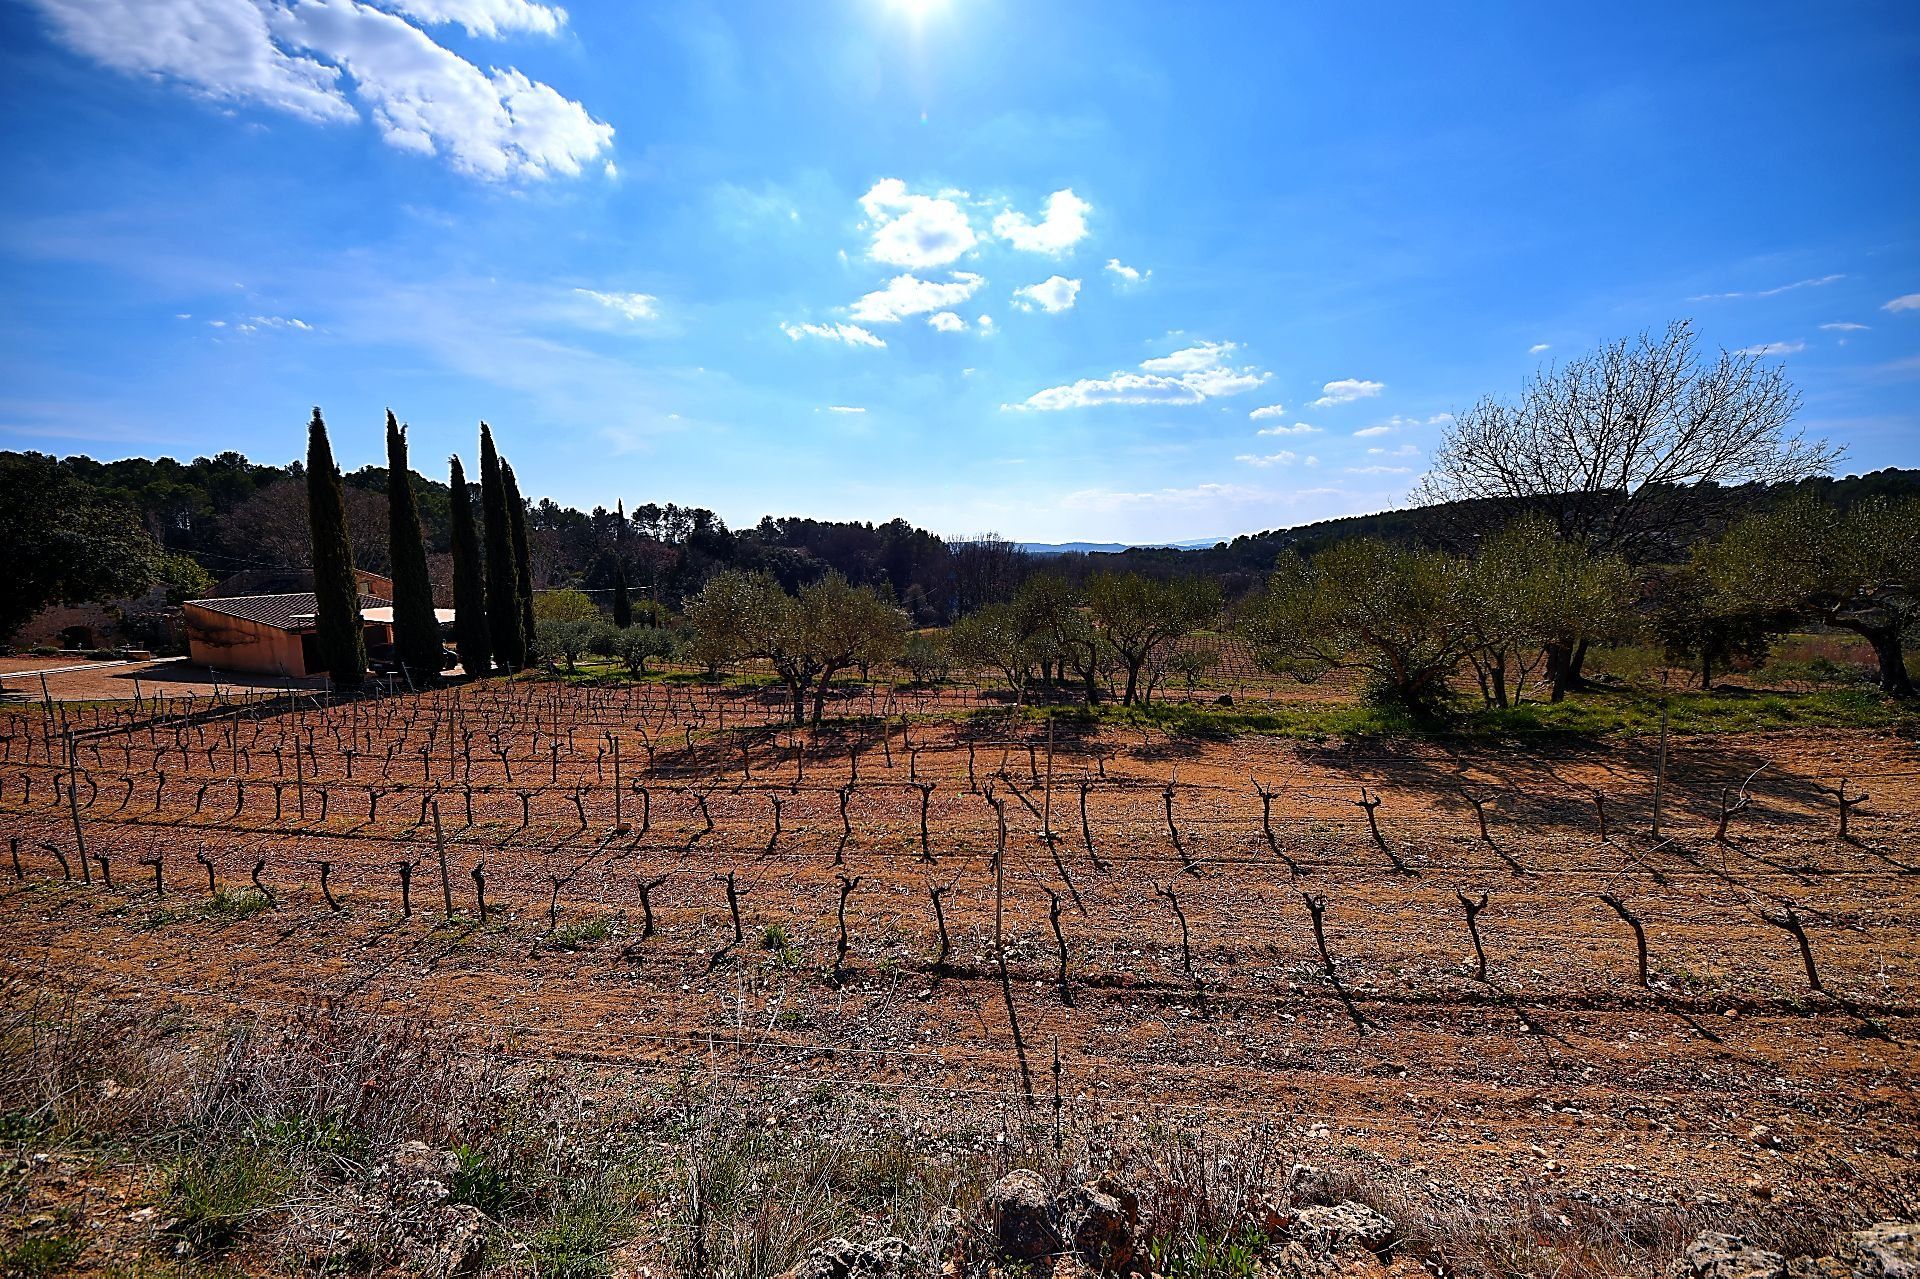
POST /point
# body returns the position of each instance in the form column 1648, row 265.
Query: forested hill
column 227, row 514
column 1253, row 553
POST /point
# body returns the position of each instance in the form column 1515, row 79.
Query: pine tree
column 416, row 630
column 471, row 635
column 335, row 589
column 504, row 624
column 622, row 604
column 523, row 561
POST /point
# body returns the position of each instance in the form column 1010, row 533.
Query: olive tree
column 635, row 644
column 1139, row 616
column 1392, row 614
column 999, row 638
column 807, row 638
column 1854, row 569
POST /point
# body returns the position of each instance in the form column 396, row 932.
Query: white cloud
column 256, row 322
column 494, row 124
column 1908, row 302
column 1774, row 348
column 846, row 408
column 422, row 97
column 634, row 306
column 1055, row 293
column 986, row 323
column 220, row 49
column 1843, row 326
column 851, row 334
column 1126, row 274
column 1121, row 388
column 1537, row 348
column 1398, row 423
column 1405, row 450
column 491, row 18
column 1379, row 470
column 1285, row 457
column 1298, row 428
column 946, row 322
column 1195, row 495
column 1767, row 293
column 1346, row 390
column 915, row 230
column 906, row 295
column 1186, row 376
column 1271, row 410
column 1061, row 226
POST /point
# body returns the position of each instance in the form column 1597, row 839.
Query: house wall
column 228, row 643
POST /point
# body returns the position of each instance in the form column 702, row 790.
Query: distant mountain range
column 1114, row 548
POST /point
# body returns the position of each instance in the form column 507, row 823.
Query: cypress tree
column 469, row 581
column 523, row 561
column 416, row 631
column 622, row 603
column 503, row 578
column 335, row 589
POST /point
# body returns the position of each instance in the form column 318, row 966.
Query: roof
column 282, row 612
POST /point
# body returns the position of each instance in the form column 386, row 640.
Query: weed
column 231, row 903
column 39, row 1255
column 574, row 936
column 479, row 1182
column 216, row 1194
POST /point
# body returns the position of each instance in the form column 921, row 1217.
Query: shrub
column 636, row 644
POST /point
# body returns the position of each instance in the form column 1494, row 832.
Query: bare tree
column 1628, row 449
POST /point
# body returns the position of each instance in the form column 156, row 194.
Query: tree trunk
column 1706, row 668
column 1559, row 671
column 799, row 691
column 1133, row 681
column 1500, row 681
column 1894, row 680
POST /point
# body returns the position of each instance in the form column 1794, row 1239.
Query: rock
column 1020, row 1215
column 887, row 1258
column 1329, row 1228
column 1307, row 1184
column 1713, row 1255
column 458, row 1237
column 1889, row 1250
column 1818, row 1268
column 1098, row 1221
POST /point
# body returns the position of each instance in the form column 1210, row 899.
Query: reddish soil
column 1728, row 1076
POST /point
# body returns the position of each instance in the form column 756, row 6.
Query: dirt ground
column 1545, row 1065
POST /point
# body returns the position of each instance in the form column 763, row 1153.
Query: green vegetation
column 522, row 556
column 67, row 542
column 336, row 590
column 232, row 903
column 473, row 634
column 41, row 1255
column 416, row 630
column 507, row 637
column 808, row 637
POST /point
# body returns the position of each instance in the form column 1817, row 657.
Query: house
column 272, row 634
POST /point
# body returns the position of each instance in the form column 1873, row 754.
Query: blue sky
column 1235, row 263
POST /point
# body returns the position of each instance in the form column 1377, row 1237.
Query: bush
column 638, row 643
column 564, row 638
column 563, row 606
column 925, row 657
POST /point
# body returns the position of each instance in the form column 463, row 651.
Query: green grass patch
column 237, row 903
column 216, row 1195
column 39, row 1255
column 584, row 933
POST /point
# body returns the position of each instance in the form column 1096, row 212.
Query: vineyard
column 1658, row 970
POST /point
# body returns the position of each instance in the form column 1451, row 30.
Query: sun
column 917, row 10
